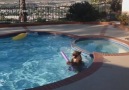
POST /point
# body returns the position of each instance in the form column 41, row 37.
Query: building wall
column 125, row 6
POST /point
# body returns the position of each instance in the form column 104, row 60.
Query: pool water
column 102, row 45
column 34, row 61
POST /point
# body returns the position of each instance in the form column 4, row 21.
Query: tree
column 82, row 12
column 23, row 13
column 95, row 1
column 116, row 5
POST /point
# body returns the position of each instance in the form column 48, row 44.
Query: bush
column 39, row 19
column 2, row 17
column 103, row 14
column 123, row 18
column 116, row 5
column 82, row 12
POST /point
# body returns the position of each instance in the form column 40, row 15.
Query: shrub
column 39, row 19
column 116, row 5
column 82, row 12
column 103, row 14
column 2, row 17
column 123, row 18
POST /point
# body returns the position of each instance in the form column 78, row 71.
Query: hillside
column 37, row 0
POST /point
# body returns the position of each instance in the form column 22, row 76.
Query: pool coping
column 97, row 63
column 123, row 27
column 52, row 23
column 104, row 37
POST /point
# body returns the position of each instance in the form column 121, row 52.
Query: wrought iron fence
column 36, row 12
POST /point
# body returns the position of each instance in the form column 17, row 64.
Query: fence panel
column 36, row 12
column 40, row 11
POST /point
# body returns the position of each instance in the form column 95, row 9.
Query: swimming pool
column 102, row 45
column 34, row 61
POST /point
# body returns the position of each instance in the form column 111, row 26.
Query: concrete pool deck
column 112, row 75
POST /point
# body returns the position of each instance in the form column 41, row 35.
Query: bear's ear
column 79, row 52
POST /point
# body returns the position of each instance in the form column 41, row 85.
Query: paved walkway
column 114, row 73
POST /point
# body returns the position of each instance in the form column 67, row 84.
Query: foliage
column 124, row 18
column 82, row 12
column 94, row 1
column 7, row 20
column 116, row 5
column 103, row 16
column 39, row 19
column 2, row 17
column 97, row 1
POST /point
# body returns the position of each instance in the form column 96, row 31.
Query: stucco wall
column 125, row 6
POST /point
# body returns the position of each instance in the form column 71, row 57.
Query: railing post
column 23, row 12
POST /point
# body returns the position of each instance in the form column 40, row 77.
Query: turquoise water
column 34, row 61
column 103, row 45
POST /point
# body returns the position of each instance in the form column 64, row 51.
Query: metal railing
column 38, row 12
